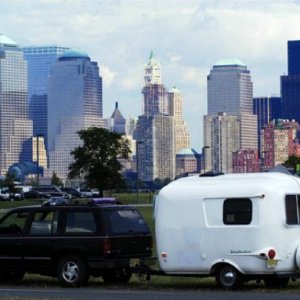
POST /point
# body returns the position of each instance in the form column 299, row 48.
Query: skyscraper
column 39, row 61
column 222, row 136
column 266, row 109
column 155, row 93
column 230, row 91
column 155, row 129
column 117, row 122
column 290, row 84
column 175, row 104
column 15, row 127
column 74, row 103
column 229, row 88
column 293, row 57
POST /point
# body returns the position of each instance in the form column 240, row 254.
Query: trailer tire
column 228, row 277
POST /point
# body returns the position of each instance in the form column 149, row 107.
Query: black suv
column 73, row 242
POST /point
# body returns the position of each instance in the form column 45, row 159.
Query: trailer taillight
column 106, row 246
column 271, row 253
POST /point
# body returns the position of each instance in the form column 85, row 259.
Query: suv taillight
column 106, row 246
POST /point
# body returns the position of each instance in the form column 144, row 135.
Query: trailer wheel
column 274, row 282
column 227, row 277
column 122, row 275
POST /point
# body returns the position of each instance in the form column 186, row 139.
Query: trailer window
column 237, row 211
column 292, row 209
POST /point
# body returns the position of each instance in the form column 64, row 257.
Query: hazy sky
column 187, row 38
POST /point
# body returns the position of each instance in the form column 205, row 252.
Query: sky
column 187, row 37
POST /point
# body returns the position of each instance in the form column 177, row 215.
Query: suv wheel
column 117, row 275
column 72, row 271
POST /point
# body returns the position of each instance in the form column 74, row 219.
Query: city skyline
column 187, row 40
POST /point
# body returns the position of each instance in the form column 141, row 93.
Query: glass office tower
column 74, row 103
column 290, row 84
column 40, row 60
column 15, row 127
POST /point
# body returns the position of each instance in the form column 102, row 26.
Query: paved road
column 125, row 294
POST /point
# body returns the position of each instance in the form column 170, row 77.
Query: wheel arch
column 221, row 263
column 58, row 255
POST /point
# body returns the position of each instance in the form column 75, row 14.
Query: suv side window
column 44, row 223
column 80, row 222
column 14, row 223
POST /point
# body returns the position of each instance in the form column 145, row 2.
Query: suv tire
column 122, row 275
column 72, row 271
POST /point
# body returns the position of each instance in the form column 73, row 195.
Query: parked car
column 72, row 242
column 72, row 191
column 52, row 190
column 85, row 193
column 4, row 194
column 32, row 194
column 17, row 195
column 56, row 201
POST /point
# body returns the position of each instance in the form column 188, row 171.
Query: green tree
column 97, row 160
column 55, row 180
column 294, row 163
column 9, row 182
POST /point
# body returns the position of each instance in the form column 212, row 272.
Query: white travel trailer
column 235, row 227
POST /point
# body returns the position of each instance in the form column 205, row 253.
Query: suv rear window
column 80, row 222
column 125, row 221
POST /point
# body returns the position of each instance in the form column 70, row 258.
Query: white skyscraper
column 15, row 127
column 181, row 134
column 155, row 93
column 155, row 129
column 74, row 103
column 222, row 136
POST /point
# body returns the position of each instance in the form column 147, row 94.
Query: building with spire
column 74, row 103
column 154, row 134
column 117, row 122
column 155, row 93
column 15, row 127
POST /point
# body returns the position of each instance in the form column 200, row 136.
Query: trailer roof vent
column 211, row 174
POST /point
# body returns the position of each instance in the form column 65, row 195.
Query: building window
column 237, row 211
column 292, row 209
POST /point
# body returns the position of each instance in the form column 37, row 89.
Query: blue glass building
column 40, row 60
column 266, row 109
column 293, row 57
column 290, row 84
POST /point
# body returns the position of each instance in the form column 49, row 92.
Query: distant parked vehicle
column 17, row 195
column 4, row 194
column 52, row 190
column 85, row 193
column 32, row 194
column 56, row 201
column 72, row 191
